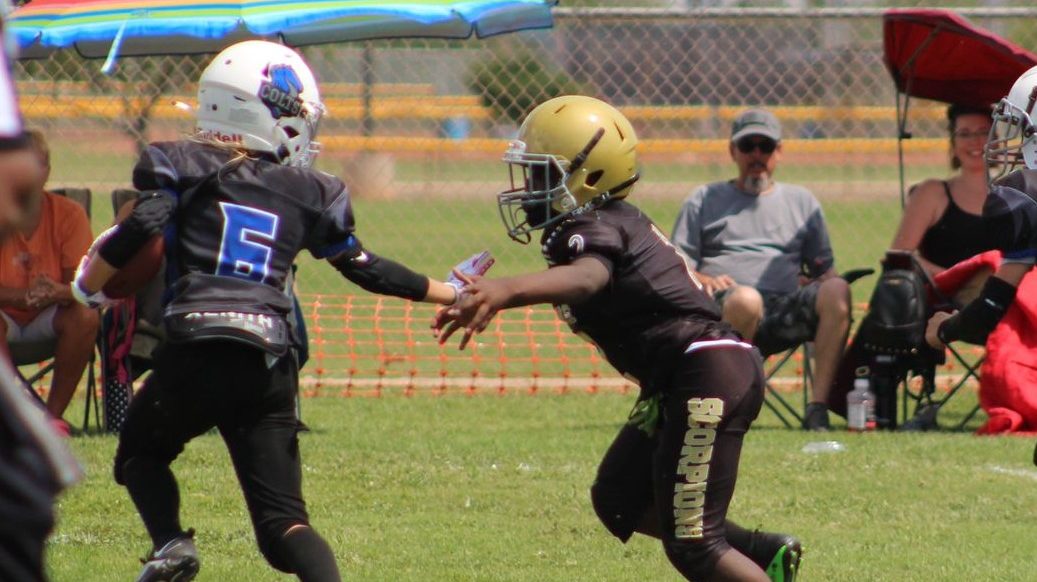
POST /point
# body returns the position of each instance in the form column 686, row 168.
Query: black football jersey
column 652, row 307
column 239, row 225
column 1010, row 215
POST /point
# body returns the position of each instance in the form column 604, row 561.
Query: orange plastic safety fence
column 370, row 346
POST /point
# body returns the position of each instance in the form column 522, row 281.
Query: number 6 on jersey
column 245, row 247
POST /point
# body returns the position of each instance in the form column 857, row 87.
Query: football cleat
column 177, row 561
column 785, row 564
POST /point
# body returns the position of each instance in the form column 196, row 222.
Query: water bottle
column 860, row 407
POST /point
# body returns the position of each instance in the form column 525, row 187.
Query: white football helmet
column 263, row 97
column 1013, row 135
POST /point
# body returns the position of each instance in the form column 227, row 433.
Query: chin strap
column 604, row 197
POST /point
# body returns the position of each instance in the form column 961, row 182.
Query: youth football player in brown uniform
column 617, row 281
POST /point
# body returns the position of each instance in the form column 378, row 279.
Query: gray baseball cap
column 756, row 122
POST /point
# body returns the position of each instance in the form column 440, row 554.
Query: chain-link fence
column 417, row 127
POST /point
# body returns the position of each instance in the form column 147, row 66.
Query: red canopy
column 936, row 54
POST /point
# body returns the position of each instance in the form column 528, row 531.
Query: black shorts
column 789, row 319
column 226, row 385
column 686, row 470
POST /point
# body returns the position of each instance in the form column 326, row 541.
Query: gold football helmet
column 572, row 154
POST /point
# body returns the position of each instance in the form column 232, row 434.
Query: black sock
column 308, row 556
column 154, row 491
column 738, row 537
column 759, row 546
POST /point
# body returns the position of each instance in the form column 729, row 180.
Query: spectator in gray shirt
column 761, row 248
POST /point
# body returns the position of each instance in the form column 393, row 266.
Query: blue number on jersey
column 245, row 248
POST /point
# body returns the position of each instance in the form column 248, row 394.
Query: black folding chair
column 774, row 400
column 919, row 408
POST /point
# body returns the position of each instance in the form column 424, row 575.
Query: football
column 140, row 269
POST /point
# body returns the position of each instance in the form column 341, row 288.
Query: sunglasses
column 766, row 146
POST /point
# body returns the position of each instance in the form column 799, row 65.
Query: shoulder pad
column 582, row 236
column 155, row 168
column 1010, row 219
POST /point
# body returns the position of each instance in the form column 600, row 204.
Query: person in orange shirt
column 38, row 259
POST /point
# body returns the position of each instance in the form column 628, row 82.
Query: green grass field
column 496, row 488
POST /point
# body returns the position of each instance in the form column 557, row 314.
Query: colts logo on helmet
column 281, row 92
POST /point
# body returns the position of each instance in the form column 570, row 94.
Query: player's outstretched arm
column 483, row 297
column 387, row 277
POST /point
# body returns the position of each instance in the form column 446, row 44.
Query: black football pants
column 686, row 471
column 227, row 385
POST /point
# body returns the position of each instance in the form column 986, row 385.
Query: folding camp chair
column 926, row 405
column 775, row 400
column 911, row 370
column 779, row 404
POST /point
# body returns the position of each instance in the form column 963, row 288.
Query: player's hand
column 933, row 327
column 713, row 284
column 446, row 320
column 462, row 273
column 483, row 298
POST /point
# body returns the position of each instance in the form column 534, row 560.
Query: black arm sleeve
column 379, row 275
column 975, row 322
column 150, row 214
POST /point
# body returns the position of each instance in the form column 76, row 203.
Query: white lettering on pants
column 689, row 491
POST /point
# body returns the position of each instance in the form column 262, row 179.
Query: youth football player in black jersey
column 1009, row 218
column 617, row 281
column 237, row 203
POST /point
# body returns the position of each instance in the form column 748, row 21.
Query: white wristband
column 93, row 300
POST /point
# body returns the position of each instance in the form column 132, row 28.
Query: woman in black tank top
column 956, row 236
column 942, row 219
